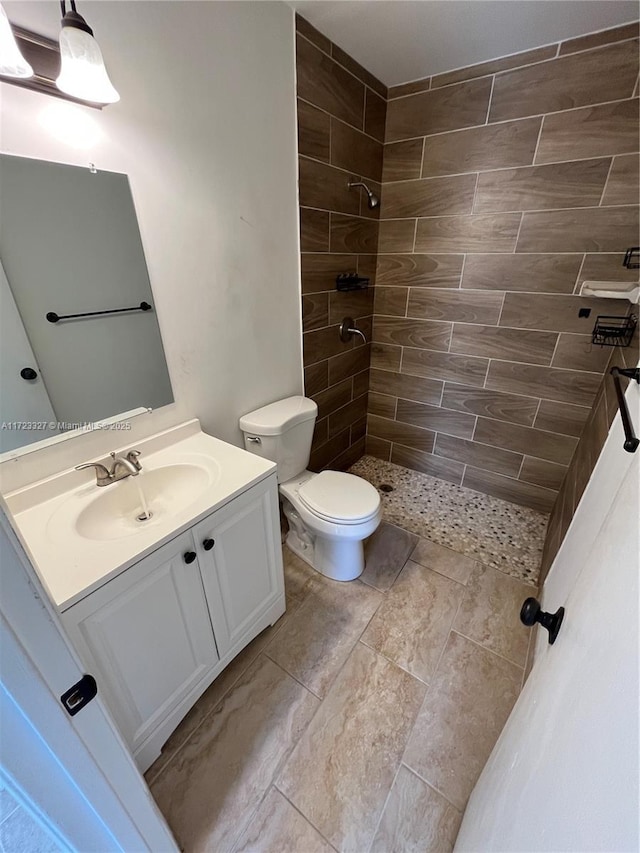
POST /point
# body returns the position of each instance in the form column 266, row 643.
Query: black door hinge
column 79, row 695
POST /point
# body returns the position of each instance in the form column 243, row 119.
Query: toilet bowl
column 330, row 513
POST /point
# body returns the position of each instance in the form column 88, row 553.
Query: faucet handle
column 132, row 456
column 103, row 475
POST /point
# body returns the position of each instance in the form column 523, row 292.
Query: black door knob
column 189, row 556
column 531, row 613
column 28, row 373
column 208, row 544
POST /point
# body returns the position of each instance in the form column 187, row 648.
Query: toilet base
column 338, row 559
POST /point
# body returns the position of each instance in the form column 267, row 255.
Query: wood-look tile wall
column 505, row 186
column 341, row 121
column 583, row 462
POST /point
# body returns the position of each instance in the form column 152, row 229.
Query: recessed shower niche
column 70, row 248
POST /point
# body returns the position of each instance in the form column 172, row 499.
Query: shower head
column 372, row 198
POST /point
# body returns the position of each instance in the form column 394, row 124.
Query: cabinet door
column 146, row 636
column 240, row 559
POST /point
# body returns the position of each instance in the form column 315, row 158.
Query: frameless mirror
column 79, row 336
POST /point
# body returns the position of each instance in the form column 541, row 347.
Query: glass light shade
column 82, row 71
column 12, row 62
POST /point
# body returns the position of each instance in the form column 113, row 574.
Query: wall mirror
column 79, row 337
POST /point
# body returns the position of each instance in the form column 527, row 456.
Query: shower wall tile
column 452, row 107
column 355, row 151
column 553, row 186
column 595, row 76
column 489, row 232
column 597, row 39
column 375, row 114
column 402, row 160
column 412, row 333
column 596, row 131
column 475, row 307
column 511, row 408
column 496, row 146
column 407, row 387
column 520, row 439
column 314, row 230
column 396, row 431
column 483, row 69
column 561, row 417
column 497, row 342
column 353, row 234
column 446, row 366
column 325, row 84
column 419, row 270
column 341, row 119
column 313, row 132
column 505, row 185
column 396, row 235
column 594, row 229
column 429, row 197
column 592, row 438
column 623, row 180
column 541, row 273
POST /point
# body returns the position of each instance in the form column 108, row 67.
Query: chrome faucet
column 121, row 467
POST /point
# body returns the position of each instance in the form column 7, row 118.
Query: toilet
column 330, row 514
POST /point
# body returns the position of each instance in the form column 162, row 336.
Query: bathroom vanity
column 157, row 608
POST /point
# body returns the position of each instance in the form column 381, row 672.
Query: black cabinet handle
column 531, row 613
column 28, row 373
column 208, row 544
column 189, row 556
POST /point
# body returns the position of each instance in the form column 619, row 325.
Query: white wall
column 206, row 131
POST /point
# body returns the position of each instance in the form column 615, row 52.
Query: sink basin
column 117, row 511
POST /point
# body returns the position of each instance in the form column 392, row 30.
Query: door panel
column 242, row 573
column 564, row 774
column 150, row 631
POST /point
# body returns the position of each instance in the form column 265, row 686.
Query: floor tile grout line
column 432, row 786
column 395, row 662
column 386, row 800
column 303, row 815
column 231, row 686
column 486, row 648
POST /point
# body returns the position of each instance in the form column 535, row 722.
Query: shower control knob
column 189, row 556
column 208, row 544
column 531, row 612
column 28, row 373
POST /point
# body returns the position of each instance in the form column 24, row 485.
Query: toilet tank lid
column 280, row 416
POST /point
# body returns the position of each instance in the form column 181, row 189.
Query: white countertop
column 72, row 566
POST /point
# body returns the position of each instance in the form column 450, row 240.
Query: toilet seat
column 340, row 498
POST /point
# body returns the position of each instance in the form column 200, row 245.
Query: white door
column 146, row 636
column 74, row 773
column 564, row 773
column 241, row 561
column 21, row 400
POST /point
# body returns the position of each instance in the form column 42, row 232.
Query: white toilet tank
column 282, row 432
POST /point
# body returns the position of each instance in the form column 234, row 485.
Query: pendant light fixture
column 12, row 62
column 82, row 72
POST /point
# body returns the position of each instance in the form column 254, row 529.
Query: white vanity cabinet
column 241, row 563
column 159, row 633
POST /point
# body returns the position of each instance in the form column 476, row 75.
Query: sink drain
column 144, row 516
column 385, row 487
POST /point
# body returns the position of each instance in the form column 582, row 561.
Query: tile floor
column 504, row 535
column 361, row 720
column 19, row 831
